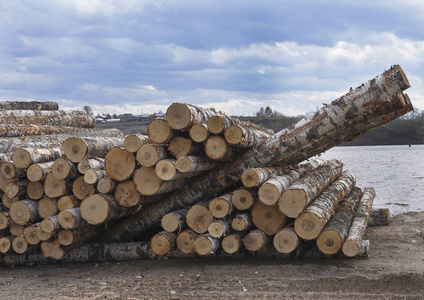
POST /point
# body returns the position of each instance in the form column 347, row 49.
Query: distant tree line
column 268, row 112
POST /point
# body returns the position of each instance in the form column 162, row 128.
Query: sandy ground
column 394, row 270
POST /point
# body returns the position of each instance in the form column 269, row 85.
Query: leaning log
column 366, row 103
column 29, row 105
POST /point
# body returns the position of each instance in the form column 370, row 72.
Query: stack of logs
column 199, row 169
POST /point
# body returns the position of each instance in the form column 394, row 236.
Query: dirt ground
column 394, row 270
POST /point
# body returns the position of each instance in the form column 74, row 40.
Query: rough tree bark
column 31, row 105
column 76, row 149
column 23, row 157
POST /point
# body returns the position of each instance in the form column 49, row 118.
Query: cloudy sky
column 237, row 56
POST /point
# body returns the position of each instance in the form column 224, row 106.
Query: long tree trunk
column 366, row 103
column 76, row 149
column 23, row 157
column 239, row 136
column 69, row 237
column 182, row 116
column 31, row 105
column 133, row 142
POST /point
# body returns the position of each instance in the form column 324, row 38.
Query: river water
column 396, row 173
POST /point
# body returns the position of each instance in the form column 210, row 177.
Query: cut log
column 106, row 185
column 95, row 163
column 312, row 220
column 352, row 244
column 99, row 208
column 149, row 154
column 194, row 164
column 5, row 220
column 219, row 123
column 50, row 224
column 17, row 188
column 166, row 170
column 30, row 234
column 23, row 157
column 268, row 218
column 24, row 212
column 6, row 244
column 69, row 237
column 217, row 148
column 199, row 217
column 148, row 183
column 182, row 116
column 286, row 240
column 71, row 218
column 205, row 244
column 35, row 190
column 44, row 235
column 331, row 239
column 39, row 171
column 379, row 217
column 243, row 198
column 52, row 249
column 255, row 240
column 16, row 229
column 55, row 188
column 32, row 105
column 220, row 227
column 9, row 171
column 163, row 242
column 93, row 176
column 126, row 194
column 240, row 136
column 199, row 133
column 76, row 149
column 362, row 108
column 7, row 202
column 185, row 241
column 133, row 142
column 295, row 198
column 221, row 206
column 4, row 182
column 160, row 132
column 47, row 207
column 181, row 146
column 242, row 222
column 72, row 118
column 233, row 242
column 63, row 168
column 82, row 189
column 119, row 164
column 174, row 221
column 20, row 245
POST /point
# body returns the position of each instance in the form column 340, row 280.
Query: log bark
column 205, row 244
column 379, row 217
column 133, row 142
column 174, row 221
column 93, row 176
column 148, row 183
column 95, row 163
column 220, row 123
column 32, row 105
column 163, row 242
column 372, row 100
column 160, row 132
column 331, row 239
column 181, row 146
column 30, row 234
column 255, row 240
column 199, row 133
column 239, row 136
column 69, row 237
column 233, row 242
column 220, row 227
column 253, row 177
column 106, row 185
column 9, row 171
column 24, row 212
column 24, row 157
column 71, row 219
column 149, row 154
column 199, row 217
column 286, row 240
column 185, row 241
column 5, row 220
column 39, row 171
column 17, row 188
column 296, row 197
column 243, row 198
column 55, row 188
column 4, row 157
column 311, row 221
column 51, row 224
column 35, row 190
column 217, row 148
column 194, row 164
column 268, row 218
column 67, row 202
column 82, row 189
column 78, row 148
column 242, row 222
column 72, row 118
column 221, row 206
column 119, row 164
column 6, row 244
column 63, row 168
column 182, row 116
column 352, row 244
column 47, row 207
column 126, row 194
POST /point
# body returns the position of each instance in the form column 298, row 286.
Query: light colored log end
column 292, row 202
column 94, row 209
column 329, row 241
column 75, row 149
column 185, row 241
column 286, row 241
column 307, row 226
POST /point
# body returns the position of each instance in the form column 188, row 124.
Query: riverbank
column 394, row 270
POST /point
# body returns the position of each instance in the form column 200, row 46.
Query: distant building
column 160, row 116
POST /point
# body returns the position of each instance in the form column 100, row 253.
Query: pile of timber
column 210, row 180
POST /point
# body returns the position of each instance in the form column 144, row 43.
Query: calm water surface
column 396, row 173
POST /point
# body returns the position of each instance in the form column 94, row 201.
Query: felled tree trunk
column 286, row 240
column 72, row 118
column 133, row 142
column 148, row 183
column 23, row 157
column 119, row 164
column 268, row 218
column 96, row 163
column 54, row 187
column 5, row 220
column 69, row 237
column 106, row 185
column 160, row 132
column 50, row 224
column 166, row 170
column 243, row 198
column 35, row 190
column 239, row 136
column 199, row 217
column 182, row 116
column 82, row 189
column 6, row 244
column 365, row 103
column 76, row 149
column 199, row 133
column 149, row 154
column 32, row 105
column 30, row 234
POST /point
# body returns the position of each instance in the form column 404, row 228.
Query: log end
column 20, row 213
column 119, row 164
column 160, row 244
column 147, row 181
column 66, row 219
column 250, row 178
column 350, row 248
column 21, row 158
column 159, row 132
column 292, row 202
column 203, row 245
column 166, row 169
column 199, row 133
column 233, row 135
column 75, row 149
column 126, row 194
column 307, row 226
column 61, row 168
column 231, row 244
column 178, row 116
column 268, row 194
column 216, row 124
column 243, row 199
column 65, row 237
column 147, row 155
column 329, row 242
column 170, row 223
column 185, row 242
column 19, row 245
column 285, row 241
column 94, row 209
column 5, row 244
column 219, row 207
